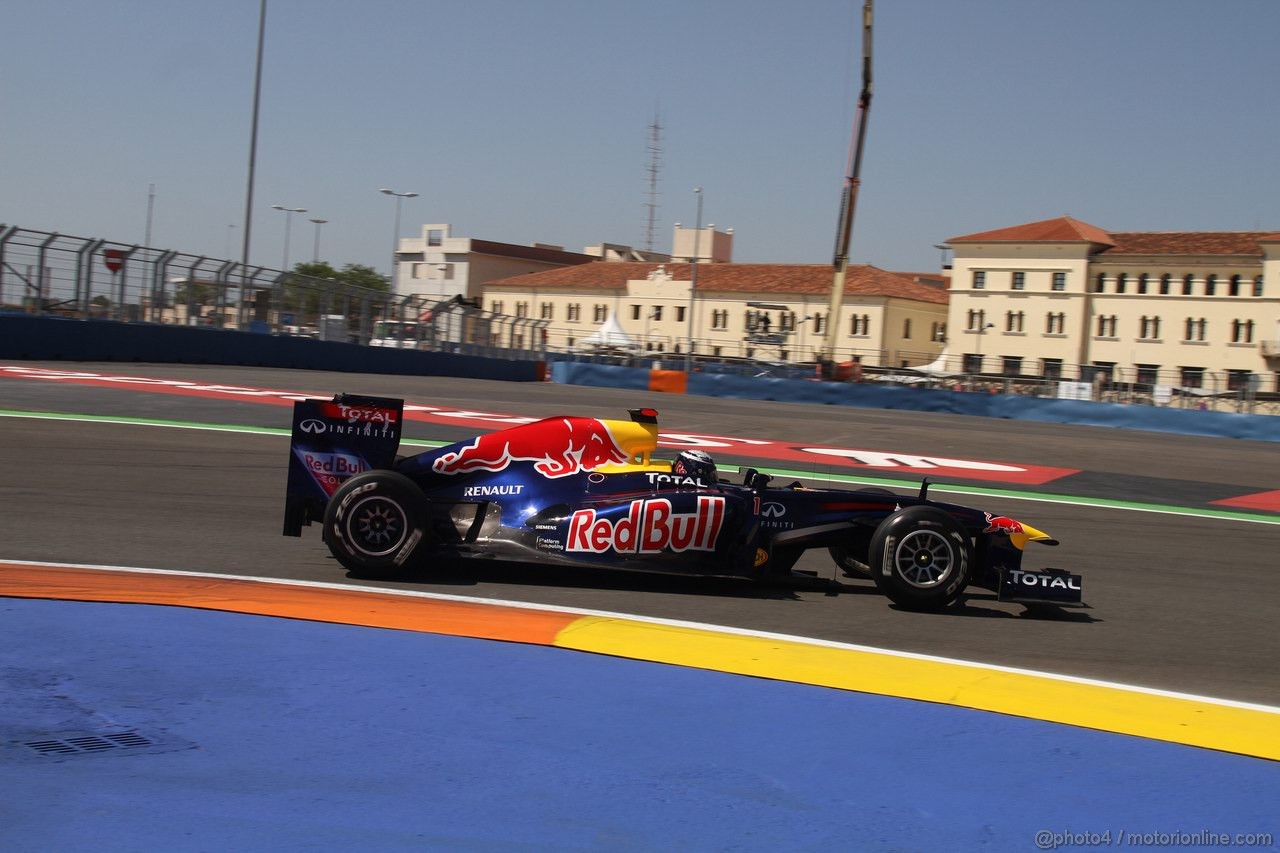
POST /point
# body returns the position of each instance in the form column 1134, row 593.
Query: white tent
column 609, row 335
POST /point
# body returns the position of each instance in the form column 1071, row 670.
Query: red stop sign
column 113, row 258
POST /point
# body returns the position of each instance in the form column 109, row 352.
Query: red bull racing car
column 587, row 492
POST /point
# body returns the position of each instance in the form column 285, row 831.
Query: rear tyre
column 920, row 558
column 373, row 524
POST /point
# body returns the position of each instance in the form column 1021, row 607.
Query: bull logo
column 1001, row 524
column 558, row 447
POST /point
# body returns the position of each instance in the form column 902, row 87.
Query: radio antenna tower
column 654, row 168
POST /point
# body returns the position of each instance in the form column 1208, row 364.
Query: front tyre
column 920, row 558
column 373, row 524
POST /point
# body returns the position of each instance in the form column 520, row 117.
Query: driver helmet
column 697, row 464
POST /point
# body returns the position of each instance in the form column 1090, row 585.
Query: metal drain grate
column 80, row 744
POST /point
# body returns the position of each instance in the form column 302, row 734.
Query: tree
column 357, row 275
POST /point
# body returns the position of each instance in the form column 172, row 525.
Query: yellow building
column 761, row 311
column 1062, row 299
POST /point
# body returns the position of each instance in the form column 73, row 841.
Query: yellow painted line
column 1194, row 721
column 1200, row 721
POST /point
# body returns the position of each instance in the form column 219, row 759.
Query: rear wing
column 331, row 441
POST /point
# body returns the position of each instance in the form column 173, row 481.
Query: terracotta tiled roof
column 780, row 279
column 1064, row 229
column 1190, row 242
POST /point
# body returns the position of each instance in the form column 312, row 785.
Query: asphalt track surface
column 1179, row 602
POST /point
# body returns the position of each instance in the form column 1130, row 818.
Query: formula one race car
column 586, row 492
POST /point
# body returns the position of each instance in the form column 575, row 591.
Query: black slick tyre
column 920, row 558
column 373, row 524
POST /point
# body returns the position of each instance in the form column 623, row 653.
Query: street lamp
column 288, row 221
column 982, row 331
column 315, row 254
column 395, row 236
column 693, row 274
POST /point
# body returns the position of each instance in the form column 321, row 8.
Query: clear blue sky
column 528, row 121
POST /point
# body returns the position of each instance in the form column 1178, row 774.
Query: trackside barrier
column 1181, row 421
column 669, row 381
column 42, row 338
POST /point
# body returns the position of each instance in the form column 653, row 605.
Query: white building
column 1064, row 299
column 761, row 311
column 439, row 266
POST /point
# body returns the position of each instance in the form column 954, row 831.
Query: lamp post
column 982, row 331
column 693, row 275
column 395, row 236
column 315, row 252
column 288, row 222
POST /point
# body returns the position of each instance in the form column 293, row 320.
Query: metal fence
column 95, row 279
column 1206, row 390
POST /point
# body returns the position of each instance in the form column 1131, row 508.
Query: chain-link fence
column 94, row 279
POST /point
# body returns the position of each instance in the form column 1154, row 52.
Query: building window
column 1106, row 327
column 1059, row 281
column 1195, row 329
column 1012, row 365
column 1013, row 321
column 435, row 237
column 979, row 280
column 1238, row 380
column 1257, row 285
column 819, row 323
column 977, row 321
column 1210, row 285
column 495, row 307
column 1165, row 281
column 1142, row 284
column 1149, row 328
column 1148, row 374
column 787, row 321
column 599, row 313
column 1122, row 280
column 657, row 312
column 1055, row 324
column 574, row 312
column 1099, row 371
column 720, row 319
column 1019, row 281
column 1241, row 331
column 522, row 309
column 1187, row 281
column 906, row 328
column 1100, row 283
column 860, row 325
column 635, row 312
column 972, row 363
column 1234, row 288
column 1192, row 377
column 680, row 313
column 1051, row 368
column 938, row 333
column 547, row 311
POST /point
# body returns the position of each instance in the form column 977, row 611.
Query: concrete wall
column 56, row 339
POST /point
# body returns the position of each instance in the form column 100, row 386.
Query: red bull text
column 650, row 527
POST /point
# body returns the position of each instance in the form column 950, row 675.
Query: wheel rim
column 924, row 558
column 377, row 526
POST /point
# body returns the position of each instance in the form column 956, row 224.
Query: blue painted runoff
column 277, row 734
